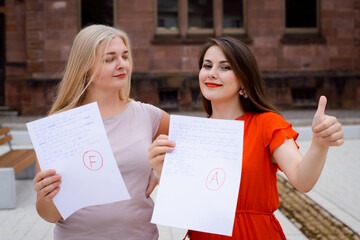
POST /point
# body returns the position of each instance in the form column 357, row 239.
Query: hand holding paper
column 75, row 144
column 200, row 179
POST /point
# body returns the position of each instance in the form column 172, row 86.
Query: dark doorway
column 97, row 12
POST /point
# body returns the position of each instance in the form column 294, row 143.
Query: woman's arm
column 154, row 178
column 46, row 184
column 304, row 171
column 158, row 148
column 164, row 124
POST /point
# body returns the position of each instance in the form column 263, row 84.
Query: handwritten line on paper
column 201, row 177
column 75, row 144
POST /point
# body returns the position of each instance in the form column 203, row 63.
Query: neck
column 109, row 104
column 227, row 110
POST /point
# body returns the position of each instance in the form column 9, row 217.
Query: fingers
column 42, row 174
column 157, row 151
column 320, row 112
column 329, row 124
column 336, row 139
column 46, row 184
column 161, row 145
column 162, row 140
column 329, row 131
column 321, row 106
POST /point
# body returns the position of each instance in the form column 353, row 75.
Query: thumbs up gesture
column 327, row 130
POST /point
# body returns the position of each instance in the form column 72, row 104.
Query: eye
column 207, row 66
column 225, row 68
column 109, row 60
column 125, row 57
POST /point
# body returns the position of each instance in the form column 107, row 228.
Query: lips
column 212, row 85
column 121, row 75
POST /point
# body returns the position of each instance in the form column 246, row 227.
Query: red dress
column 258, row 195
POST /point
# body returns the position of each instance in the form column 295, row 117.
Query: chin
column 209, row 97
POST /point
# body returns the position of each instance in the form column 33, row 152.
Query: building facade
column 304, row 48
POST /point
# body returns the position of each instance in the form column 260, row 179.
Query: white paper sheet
column 75, row 144
column 200, row 179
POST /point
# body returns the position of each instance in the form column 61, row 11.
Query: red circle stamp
column 216, row 179
column 93, row 160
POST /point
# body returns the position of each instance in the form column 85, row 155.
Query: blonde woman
column 99, row 69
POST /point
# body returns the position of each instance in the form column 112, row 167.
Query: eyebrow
column 114, row 53
column 224, row 61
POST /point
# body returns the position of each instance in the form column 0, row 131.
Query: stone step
column 6, row 111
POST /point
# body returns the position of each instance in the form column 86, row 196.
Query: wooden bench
column 12, row 162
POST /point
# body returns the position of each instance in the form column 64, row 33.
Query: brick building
column 304, row 48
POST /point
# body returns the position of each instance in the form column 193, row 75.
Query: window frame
column 234, row 31
column 185, row 32
column 200, row 31
column 303, row 30
column 162, row 31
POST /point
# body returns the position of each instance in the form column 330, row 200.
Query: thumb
column 321, row 106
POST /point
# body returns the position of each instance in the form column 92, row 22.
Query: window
column 97, row 12
column 233, row 16
column 167, row 17
column 168, row 99
column 304, row 97
column 200, row 17
column 302, row 16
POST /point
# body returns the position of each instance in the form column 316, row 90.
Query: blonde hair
column 72, row 88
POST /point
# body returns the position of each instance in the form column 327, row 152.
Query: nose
column 213, row 73
column 120, row 63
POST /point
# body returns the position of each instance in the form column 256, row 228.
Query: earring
column 243, row 93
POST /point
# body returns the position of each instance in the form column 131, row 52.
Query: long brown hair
column 245, row 67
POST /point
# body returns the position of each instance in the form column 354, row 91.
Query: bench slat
column 5, row 139
column 4, row 130
column 18, row 159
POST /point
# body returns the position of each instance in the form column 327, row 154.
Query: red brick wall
column 50, row 27
column 39, row 34
column 339, row 20
column 15, row 40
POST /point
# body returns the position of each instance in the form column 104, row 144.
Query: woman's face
column 111, row 70
column 217, row 80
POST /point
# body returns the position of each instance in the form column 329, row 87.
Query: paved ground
column 337, row 190
column 23, row 223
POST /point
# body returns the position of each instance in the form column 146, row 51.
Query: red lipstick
column 212, row 85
